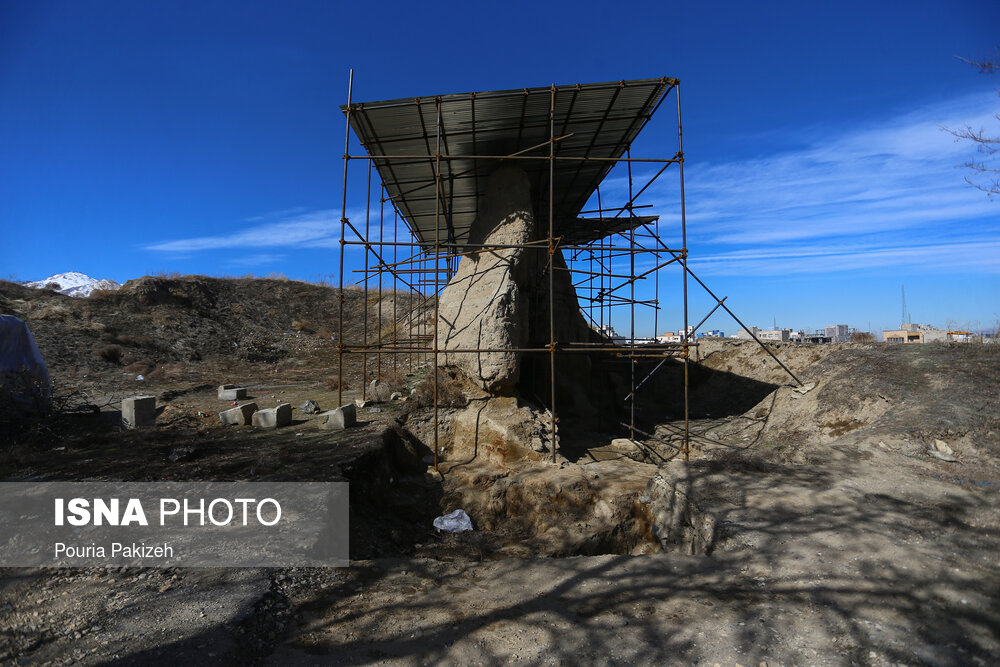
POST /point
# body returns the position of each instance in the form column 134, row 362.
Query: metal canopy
column 596, row 121
column 587, row 230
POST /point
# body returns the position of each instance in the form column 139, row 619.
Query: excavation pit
column 527, row 510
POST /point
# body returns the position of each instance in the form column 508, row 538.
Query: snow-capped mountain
column 74, row 284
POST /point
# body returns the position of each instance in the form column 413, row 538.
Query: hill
column 194, row 324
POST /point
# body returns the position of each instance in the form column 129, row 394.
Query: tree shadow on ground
column 834, row 578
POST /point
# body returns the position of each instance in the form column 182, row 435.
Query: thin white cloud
column 315, row 229
column 981, row 256
column 277, row 215
column 887, row 194
column 259, row 259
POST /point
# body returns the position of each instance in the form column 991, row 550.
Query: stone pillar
column 483, row 305
column 500, row 300
column 273, row 417
column 240, row 415
column 139, row 411
column 340, row 418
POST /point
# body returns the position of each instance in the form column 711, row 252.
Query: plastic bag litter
column 139, row 378
column 454, row 522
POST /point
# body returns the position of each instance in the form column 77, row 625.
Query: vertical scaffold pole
column 395, row 289
column 367, row 247
column 684, row 256
column 631, row 360
column 343, row 224
column 552, row 284
column 381, row 271
column 437, row 256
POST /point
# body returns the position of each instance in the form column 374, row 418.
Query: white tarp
column 24, row 378
column 454, row 522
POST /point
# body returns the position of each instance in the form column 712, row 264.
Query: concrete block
column 339, row 418
column 241, row 415
column 230, row 392
column 273, row 417
column 139, row 411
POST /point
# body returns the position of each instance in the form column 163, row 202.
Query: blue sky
column 205, row 137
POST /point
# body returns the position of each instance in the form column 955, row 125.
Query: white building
column 609, row 332
column 838, row 333
column 775, row 335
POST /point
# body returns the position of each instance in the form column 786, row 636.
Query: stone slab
column 139, row 411
column 339, row 418
column 241, row 415
column 231, row 392
column 273, row 417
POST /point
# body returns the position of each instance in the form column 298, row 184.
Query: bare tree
column 986, row 171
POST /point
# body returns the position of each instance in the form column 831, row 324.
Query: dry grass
column 110, row 353
column 173, row 372
column 449, row 392
column 333, row 383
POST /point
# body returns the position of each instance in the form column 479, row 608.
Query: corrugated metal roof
column 581, row 231
column 594, row 120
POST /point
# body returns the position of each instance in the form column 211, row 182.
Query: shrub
column 110, row 353
column 168, row 372
column 450, row 394
column 139, row 368
column 333, row 383
column 387, row 384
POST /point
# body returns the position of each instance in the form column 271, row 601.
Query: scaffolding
column 431, row 156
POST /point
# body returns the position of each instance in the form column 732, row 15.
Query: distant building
column 837, row 333
column 902, row 336
column 609, row 331
column 915, row 333
column 773, row 335
column 714, row 333
column 816, row 338
column 964, row 337
column 675, row 337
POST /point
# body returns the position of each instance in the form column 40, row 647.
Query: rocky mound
column 903, row 396
column 154, row 321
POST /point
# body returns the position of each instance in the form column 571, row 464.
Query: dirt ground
column 838, row 538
